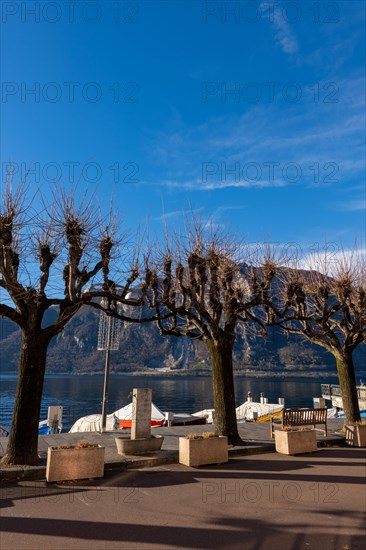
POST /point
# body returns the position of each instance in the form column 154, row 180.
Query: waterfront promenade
column 255, row 435
column 255, row 502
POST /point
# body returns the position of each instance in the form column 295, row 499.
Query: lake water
column 82, row 395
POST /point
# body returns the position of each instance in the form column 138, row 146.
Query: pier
column 333, row 393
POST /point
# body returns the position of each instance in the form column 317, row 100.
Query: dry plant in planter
column 199, row 449
column 81, row 461
column 204, row 435
column 356, row 434
column 292, row 442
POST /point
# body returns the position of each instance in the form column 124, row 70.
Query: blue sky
column 253, row 119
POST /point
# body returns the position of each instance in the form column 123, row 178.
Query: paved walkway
column 255, row 435
column 259, row 502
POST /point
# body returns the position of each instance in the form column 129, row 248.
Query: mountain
column 74, row 351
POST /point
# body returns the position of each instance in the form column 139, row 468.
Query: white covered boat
column 250, row 410
column 93, row 423
column 205, row 414
column 124, row 416
column 332, row 413
column 158, row 417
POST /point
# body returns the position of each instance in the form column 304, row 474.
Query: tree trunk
column 347, row 382
column 221, row 353
column 23, row 439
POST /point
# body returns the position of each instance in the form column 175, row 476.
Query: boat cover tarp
column 246, row 410
column 125, row 413
column 93, row 423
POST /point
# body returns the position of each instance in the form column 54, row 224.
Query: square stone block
column 74, row 463
column 356, row 435
column 197, row 452
column 295, row 441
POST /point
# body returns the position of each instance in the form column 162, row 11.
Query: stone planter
column 295, row 442
column 198, row 452
column 356, row 435
column 74, row 463
column 128, row 446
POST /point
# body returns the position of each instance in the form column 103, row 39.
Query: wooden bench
column 301, row 417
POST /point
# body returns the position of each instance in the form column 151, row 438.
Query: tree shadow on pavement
column 226, row 533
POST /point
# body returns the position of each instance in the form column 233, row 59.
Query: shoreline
column 191, row 374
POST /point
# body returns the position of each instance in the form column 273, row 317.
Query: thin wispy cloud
column 284, row 35
column 223, row 209
column 269, row 146
column 353, row 205
column 175, row 214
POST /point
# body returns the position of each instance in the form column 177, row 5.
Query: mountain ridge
column 74, row 351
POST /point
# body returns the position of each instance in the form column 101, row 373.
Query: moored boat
column 93, row 423
column 45, row 429
column 122, row 419
column 247, row 411
column 53, row 422
column 205, row 414
column 158, row 417
column 124, row 416
column 188, row 420
column 260, row 412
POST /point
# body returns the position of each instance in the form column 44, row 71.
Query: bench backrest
column 303, row 417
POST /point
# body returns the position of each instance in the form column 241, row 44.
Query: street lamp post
column 108, row 340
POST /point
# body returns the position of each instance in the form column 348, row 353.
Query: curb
column 252, row 450
column 38, row 473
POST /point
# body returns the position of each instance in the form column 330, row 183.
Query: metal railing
column 335, row 390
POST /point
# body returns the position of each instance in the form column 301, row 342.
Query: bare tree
column 50, row 259
column 209, row 290
column 327, row 306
